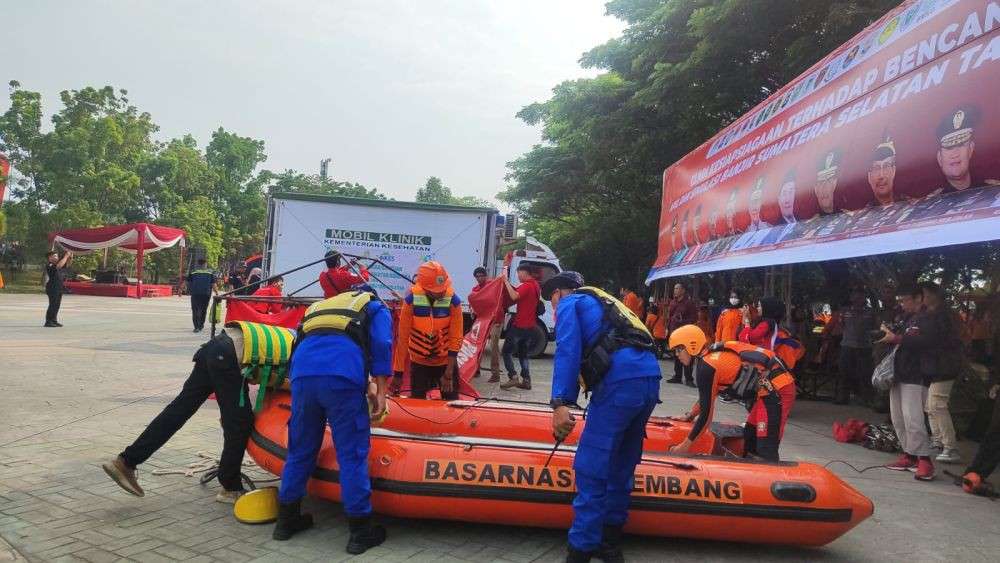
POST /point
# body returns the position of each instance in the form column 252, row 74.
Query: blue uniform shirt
column 579, row 323
column 339, row 357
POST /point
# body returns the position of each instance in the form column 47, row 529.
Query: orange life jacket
column 429, row 331
column 728, row 357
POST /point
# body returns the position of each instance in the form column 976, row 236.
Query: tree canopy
column 434, row 191
column 679, row 72
column 101, row 164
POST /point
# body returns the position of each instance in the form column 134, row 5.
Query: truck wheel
column 539, row 341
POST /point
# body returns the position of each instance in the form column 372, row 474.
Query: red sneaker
column 906, row 462
column 925, row 470
column 970, row 482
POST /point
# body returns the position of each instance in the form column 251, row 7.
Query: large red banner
column 890, row 132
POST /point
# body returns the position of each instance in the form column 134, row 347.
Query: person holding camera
column 920, row 358
column 54, row 285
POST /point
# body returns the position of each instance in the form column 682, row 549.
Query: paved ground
column 75, row 396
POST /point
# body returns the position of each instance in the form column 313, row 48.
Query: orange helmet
column 691, row 337
column 433, row 277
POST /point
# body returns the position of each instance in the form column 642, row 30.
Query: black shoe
column 690, row 383
column 577, row 556
column 51, row 325
column 364, row 535
column 675, row 380
column 57, row 323
column 291, row 521
column 611, row 546
column 196, row 330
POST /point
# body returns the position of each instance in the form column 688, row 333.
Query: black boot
column 364, row 535
column 291, row 521
column 577, row 556
column 611, row 545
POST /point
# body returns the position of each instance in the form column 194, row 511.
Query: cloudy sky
column 393, row 91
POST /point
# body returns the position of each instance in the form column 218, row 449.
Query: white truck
column 301, row 228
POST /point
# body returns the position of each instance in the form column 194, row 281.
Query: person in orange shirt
column 274, row 288
column 718, row 369
column 632, row 301
column 656, row 322
column 430, row 334
column 730, row 320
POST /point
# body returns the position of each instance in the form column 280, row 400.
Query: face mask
column 734, row 300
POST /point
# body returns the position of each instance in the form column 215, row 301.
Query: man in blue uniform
column 343, row 339
column 611, row 444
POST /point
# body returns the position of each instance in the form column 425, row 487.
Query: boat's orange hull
column 496, row 418
column 476, row 479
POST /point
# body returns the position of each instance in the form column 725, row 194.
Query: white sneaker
column 949, row 456
column 228, row 497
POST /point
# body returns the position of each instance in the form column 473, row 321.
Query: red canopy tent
column 136, row 238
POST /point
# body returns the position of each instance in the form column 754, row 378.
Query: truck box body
column 302, row 228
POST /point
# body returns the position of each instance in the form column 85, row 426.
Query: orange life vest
column 428, row 330
column 728, row 357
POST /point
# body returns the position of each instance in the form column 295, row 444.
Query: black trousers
column 765, row 447
column 55, row 301
column 424, row 378
column 988, row 456
column 517, row 340
column 199, row 308
column 681, row 369
column 215, row 371
column 855, row 373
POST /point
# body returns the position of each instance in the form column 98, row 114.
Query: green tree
column 679, row 72
column 434, row 191
column 291, row 181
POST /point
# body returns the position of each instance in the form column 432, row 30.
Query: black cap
column 567, row 279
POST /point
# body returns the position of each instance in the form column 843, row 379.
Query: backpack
column 758, row 368
column 627, row 330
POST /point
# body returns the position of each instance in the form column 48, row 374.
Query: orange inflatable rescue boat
column 470, row 476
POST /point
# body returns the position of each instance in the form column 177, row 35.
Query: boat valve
column 385, row 460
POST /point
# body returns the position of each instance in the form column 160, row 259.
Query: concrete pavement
column 75, row 396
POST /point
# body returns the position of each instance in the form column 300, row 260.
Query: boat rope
column 208, row 466
column 475, row 404
column 829, row 463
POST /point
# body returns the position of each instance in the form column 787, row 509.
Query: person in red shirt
column 521, row 331
column 764, row 333
column 337, row 279
column 274, row 288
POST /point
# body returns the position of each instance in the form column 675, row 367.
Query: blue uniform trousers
column 610, row 448
column 316, row 401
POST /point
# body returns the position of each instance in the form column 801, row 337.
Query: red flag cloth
column 237, row 310
column 487, row 304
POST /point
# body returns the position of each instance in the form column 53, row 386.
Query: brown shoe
column 512, row 382
column 524, row 384
column 124, row 476
column 495, row 378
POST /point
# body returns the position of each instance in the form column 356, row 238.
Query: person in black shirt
column 54, row 284
column 200, row 283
